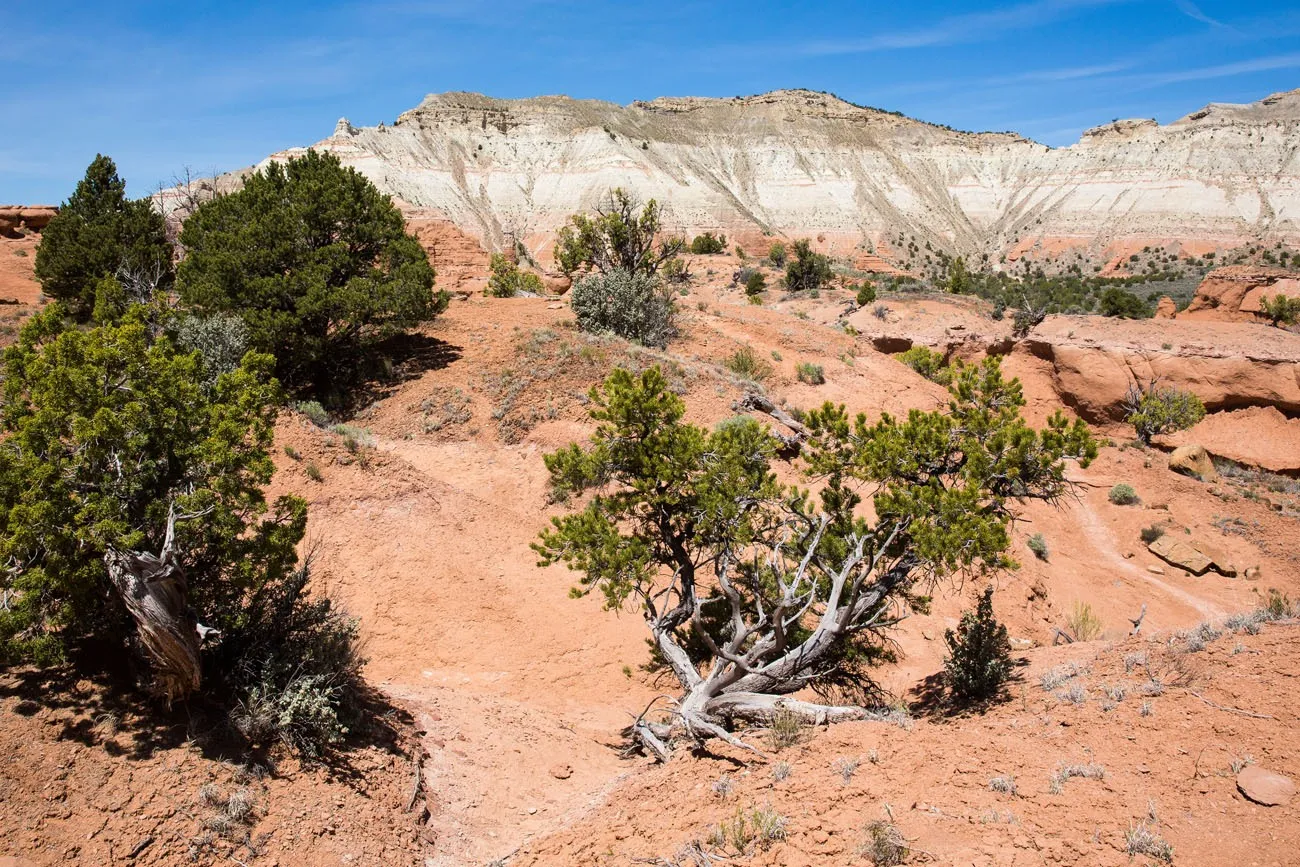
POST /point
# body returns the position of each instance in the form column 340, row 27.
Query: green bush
column 1280, row 310
column 979, row 654
column 315, row 413
column 676, row 270
column 1026, row 320
column 1038, row 545
column 633, row 306
column 932, row 365
column 708, row 244
column 776, row 254
column 620, row 236
column 755, row 283
column 1123, row 495
column 316, row 262
column 99, row 233
column 1150, row 534
column 746, row 364
column 1153, row 410
column 508, row 280
column 1124, row 304
column 813, row 374
column 808, row 271
column 222, row 340
column 866, row 294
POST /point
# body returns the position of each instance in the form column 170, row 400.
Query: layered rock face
column 15, row 219
column 798, row 163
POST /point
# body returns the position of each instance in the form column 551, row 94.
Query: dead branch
column 753, row 402
column 1237, row 710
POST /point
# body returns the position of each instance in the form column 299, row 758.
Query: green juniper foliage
column 1154, row 410
column 99, row 233
column 620, row 236
column 930, row 364
column 105, row 430
column 979, row 653
column 508, row 280
column 808, row 270
column 315, row 260
column 692, row 527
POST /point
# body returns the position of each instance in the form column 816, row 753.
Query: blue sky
column 161, row 86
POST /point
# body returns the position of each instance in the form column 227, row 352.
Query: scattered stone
column 562, row 772
column 1193, row 460
column 1192, row 553
column 1265, row 787
column 1155, row 570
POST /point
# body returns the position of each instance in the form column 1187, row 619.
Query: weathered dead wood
column 761, row 709
column 153, row 589
column 791, row 443
column 1137, row 624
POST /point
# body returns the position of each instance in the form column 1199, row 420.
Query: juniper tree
column 979, row 653
column 753, row 590
column 315, row 260
column 99, row 233
column 620, row 236
column 808, row 270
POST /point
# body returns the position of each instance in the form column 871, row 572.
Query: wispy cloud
column 1222, row 70
column 956, row 29
column 1191, row 10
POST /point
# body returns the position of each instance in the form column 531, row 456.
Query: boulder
column 15, row 218
column 1193, row 460
column 1193, row 554
column 1232, row 292
column 1166, row 308
column 1265, row 787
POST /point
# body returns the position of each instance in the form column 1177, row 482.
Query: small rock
column 1155, row 570
column 562, row 772
column 1265, row 787
column 1193, row 460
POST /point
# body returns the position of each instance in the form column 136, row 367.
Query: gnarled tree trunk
column 153, row 588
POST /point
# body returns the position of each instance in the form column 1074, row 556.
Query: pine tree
column 979, row 654
column 99, row 233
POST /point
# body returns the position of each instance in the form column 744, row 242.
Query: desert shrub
column 222, row 340
column 508, row 280
column 866, row 294
column 1280, row 310
column 885, row 846
column 880, row 311
column 315, row 260
column 1123, row 495
column 932, row 365
column 747, row 364
column 1155, row 410
column 619, row 236
column 315, row 413
column 979, row 653
column 776, row 254
column 1123, row 304
column 99, row 233
column 677, row 270
column 808, row 271
column 1038, row 545
column 312, row 471
column 161, row 465
column 755, row 283
column 1003, row 785
column 1083, row 623
column 750, row 829
column 1150, row 534
column 634, row 306
column 708, row 244
column 1141, row 839
column 786, row 729
column 1026, row 319
column 812, row 374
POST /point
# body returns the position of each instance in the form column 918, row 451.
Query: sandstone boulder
column 1166, row 308
column 1233, row 292
column 1257, row 436
column 1193, row 554
column 1192, row 460
column 14, row 218
column 1265, row 787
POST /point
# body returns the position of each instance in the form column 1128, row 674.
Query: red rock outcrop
column 1233, row 293
column 15, row 218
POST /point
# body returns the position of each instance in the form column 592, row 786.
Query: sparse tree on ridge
column 753, row 591
column 98, row 235
column 620, row 236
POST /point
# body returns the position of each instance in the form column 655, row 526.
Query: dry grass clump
column 746, row 364
column 1003, row 785
column 1065, row 773
column 885, row 846
column 749, row 830
column 1083, row 623
column 786, row 730
column 1142, row 839
column 1059, row 675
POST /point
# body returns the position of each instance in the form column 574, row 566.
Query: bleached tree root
column 761, row 709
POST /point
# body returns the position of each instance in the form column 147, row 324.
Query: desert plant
column 1123, row 304
column 676, row 509
column 1153, row 410
column 677, row 270
column 979, row 653
column 846, row 768
column 315, row 413
column 222, row 340
column 1083, row 624
column 1003, row 785
column 866, row 294
column 776, row 254
column 1122, row 495
column 786, row 729
column 747, row 364
column 313, row 472
column 885, row 846
column 812, row 374
column 808, row 270
column 1026, row 319
column 1038, row 545
column 932, row 365
column 1280, row 310
column 750, row 829
column 781, row 771
column 620, row 236
column 507, row 280
column 635, row 306
column 1141, row 839
column 709, row 244
column 1150, row 534
column 315, row 260
column 99, row 233
column 880, row 311
column 755, row 283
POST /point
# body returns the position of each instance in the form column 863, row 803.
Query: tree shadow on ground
column 107, row 709
column 386, row 366
column 930, row 697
